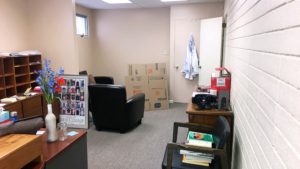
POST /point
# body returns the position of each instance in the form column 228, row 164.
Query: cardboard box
column 137, row 70
column 158, row 81
column 136, row 84
column 157, row 87
column 147, row 105
column 155, row 69
column 157, row 93
column 159, row 104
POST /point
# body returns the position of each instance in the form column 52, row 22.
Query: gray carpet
column 141, row 148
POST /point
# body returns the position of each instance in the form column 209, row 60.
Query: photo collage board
column 74, row 101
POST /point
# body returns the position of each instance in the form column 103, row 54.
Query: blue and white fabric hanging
column 191, row 63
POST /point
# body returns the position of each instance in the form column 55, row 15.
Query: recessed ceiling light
column 172, row 0
column 117, row 1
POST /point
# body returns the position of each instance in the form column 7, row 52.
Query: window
column 81, row 25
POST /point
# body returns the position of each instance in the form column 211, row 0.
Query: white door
column 182, row 88
column 210, row 48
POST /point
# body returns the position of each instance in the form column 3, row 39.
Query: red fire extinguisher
column 221, row 82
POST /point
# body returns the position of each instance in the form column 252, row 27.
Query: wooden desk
column 70, row 153
column 208, row 118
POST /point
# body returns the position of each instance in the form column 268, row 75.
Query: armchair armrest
column 135, row 101
column 176, row 146
column 134, row 109
column 190, row 126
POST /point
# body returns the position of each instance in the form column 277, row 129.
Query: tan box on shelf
column 17, row 150
column 155, row 69
column 137, row 70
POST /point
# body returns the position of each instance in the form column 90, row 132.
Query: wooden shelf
column 18, row 73
column 34, row 63
column 24, row 74
column 22, row 84
column 9, row 86
column 8, row 74
column 20, row 65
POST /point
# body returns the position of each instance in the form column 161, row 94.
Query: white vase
column 50, row 120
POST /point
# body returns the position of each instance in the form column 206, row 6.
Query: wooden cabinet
column 32, row 106
column 18, row 73
column 29, row 107
column 16, row 106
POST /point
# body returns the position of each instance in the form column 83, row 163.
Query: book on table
column 198, row 158
column 199, row 139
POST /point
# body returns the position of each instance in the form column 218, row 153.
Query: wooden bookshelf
column 17, row 73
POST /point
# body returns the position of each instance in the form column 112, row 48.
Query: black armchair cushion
column 111, row 110
column 98, row 79
column 104, row 80
column 220, row 131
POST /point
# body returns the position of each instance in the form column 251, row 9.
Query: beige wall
column 47, row 26
column 185, row 19
column 51, row 29
column 85, row 44
column 130, row 36
column 14, row 26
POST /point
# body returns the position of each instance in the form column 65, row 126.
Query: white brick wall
column 262, row 50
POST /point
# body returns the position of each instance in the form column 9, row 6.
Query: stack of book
column 198, row 158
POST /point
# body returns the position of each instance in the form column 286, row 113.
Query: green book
column 199, row 139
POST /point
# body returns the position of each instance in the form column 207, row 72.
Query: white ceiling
column 99, row 4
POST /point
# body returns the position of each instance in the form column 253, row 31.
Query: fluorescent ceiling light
column 172, row 0
column 117, row 1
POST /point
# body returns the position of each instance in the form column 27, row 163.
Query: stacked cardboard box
column 150, row 79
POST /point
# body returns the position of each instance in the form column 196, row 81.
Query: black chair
column 99, row 79
column 111, row 110
column 221, row 133
column 104, row 79
column 83, row 72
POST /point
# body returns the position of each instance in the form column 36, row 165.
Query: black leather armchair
column 99, row 79
column 104, row 79
column 111, row 109
column 220, row 131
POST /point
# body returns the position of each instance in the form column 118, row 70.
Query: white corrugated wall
column 262, row 50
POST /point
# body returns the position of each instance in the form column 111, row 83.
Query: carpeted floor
column 141, row 148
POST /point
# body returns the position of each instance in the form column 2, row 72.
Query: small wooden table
column 70, row 153
column 209, row 117
column 17, row 150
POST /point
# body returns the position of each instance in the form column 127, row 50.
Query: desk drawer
column 16, row 106
column 32, row 106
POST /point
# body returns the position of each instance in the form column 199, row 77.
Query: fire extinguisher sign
column 220, row 81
